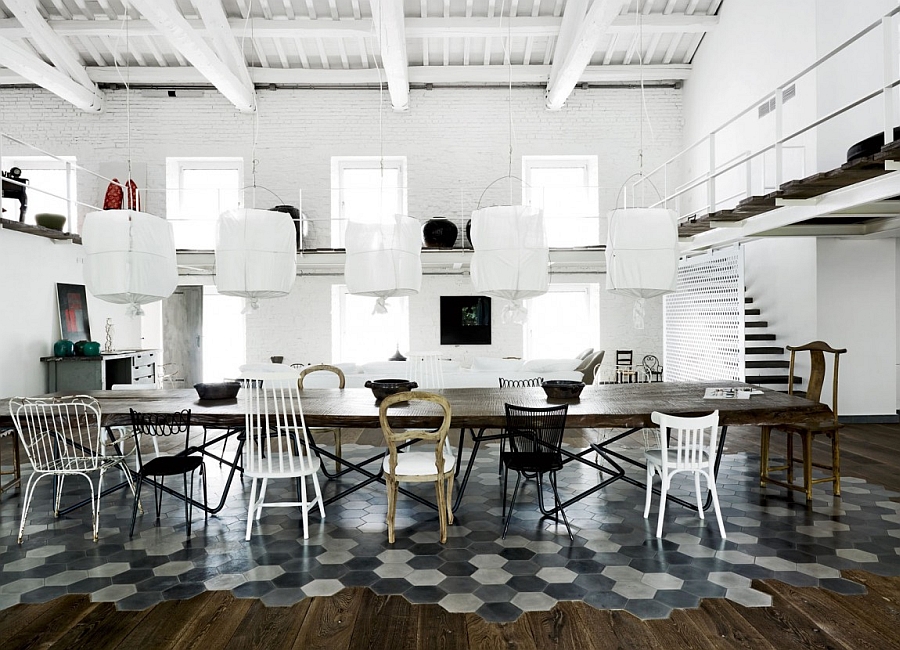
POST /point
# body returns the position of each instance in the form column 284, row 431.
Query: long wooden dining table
column 618, row 406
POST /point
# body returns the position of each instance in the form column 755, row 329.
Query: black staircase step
column 751, row 312
column 774, row 363
column 760, row 337
column 769, row 379
column 756, row 323
column 747, row 300
column 764, row 350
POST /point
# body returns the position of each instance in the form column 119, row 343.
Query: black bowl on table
column 381, row 388
column 562, row 388
column 218, row 390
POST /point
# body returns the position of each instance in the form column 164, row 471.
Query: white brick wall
column 456, row 142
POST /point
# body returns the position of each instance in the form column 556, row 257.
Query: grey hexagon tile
column 614, row 553
column 748, row 597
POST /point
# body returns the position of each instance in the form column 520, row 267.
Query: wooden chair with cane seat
column 335, row 431
column 418, row 466
column 829, row 428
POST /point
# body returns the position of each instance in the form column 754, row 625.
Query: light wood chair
column 418, row 466
column 829, row 428
column 686, row 445
column 335, row 431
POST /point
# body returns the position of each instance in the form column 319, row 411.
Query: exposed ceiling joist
column 33, row 70
column 223, row 38
column 579, row 52
column 55, row 48
column 391, row 36
column 167, row 19
column 436, row 27
column 449, row 75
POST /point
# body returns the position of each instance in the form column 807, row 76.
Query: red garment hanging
column 115, row 196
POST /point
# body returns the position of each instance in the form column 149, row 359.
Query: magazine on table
column 731, row 392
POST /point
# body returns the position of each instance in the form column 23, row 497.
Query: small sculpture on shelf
column 110, row 331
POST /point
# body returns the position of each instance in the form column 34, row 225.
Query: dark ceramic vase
column 79, row 348
column 92, row 349
column 439, row 233
column 63, row 348
column 295, row 217
column 469, row 233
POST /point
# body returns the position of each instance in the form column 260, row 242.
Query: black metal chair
column 535, row 439
column 533, row 382
column 161, row 466
column 652, row 370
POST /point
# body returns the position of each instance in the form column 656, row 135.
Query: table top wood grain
column 608, row 405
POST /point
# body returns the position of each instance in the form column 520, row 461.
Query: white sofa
column 484, row 373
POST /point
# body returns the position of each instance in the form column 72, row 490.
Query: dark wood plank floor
column 358, row 618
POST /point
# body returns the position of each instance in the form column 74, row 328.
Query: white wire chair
column 62, row 436
column 277, row 445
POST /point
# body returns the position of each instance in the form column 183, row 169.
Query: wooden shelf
column 40, row 231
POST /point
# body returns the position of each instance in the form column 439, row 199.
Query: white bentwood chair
column 62, row 437
column 277, row 445
column 691, row 447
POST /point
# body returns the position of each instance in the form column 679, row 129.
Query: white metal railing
column 715, row 169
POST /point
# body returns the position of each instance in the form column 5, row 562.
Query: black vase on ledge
column 439, row 233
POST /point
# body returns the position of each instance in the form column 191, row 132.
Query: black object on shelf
column 295, row 217
column 870, row 146
column 469, row 233
column 439, row 233
column 14, row 190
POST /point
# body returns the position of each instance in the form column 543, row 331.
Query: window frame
column 66, row 164
column 339, row 322
column 339, row 165
column 175, row 168
column 589, row 164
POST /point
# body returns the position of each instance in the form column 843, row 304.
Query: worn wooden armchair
column 829, row 428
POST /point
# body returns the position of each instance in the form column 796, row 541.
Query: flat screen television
column 465, row 320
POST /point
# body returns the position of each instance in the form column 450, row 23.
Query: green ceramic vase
column 63, row 348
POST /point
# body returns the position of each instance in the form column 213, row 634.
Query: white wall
column 30, row 324
column 856, row 305
column 456, row 142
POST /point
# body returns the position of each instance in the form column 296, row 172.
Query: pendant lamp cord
column 254, row 161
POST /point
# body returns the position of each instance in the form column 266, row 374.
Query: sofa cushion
column 497, row 364
column 551, row 365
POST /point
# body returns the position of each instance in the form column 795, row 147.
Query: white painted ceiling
column 74, row 47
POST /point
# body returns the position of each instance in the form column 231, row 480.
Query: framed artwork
column 74, row 324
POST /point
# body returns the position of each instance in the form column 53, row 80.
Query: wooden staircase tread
column 773, row 363
column 751, row 312
column 760, row 337
column 763, row 350
column 748, row 300
column 769, row 379
column 756, row 323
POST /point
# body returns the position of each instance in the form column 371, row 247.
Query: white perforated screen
column 703, row 320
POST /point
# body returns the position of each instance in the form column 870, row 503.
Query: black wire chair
column 161, row 466
column 535, row 439
column 533, row 382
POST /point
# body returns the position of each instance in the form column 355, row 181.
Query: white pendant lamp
column 256, row 254
column 642, row 252
column 129, row 258
column 383, row 259
column 511, row 258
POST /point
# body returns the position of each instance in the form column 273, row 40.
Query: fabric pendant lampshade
column 511, row 259
column 642, row 252
column 383, row 259
column 129, row 257
column 256, row 254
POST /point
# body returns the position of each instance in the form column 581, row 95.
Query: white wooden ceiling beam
column 223, row 37
column 415, row 27
column 391, row 35
column 167, row 19
column 52, row 45
column 568, row 69
column 489, row 75
column 23, row 63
